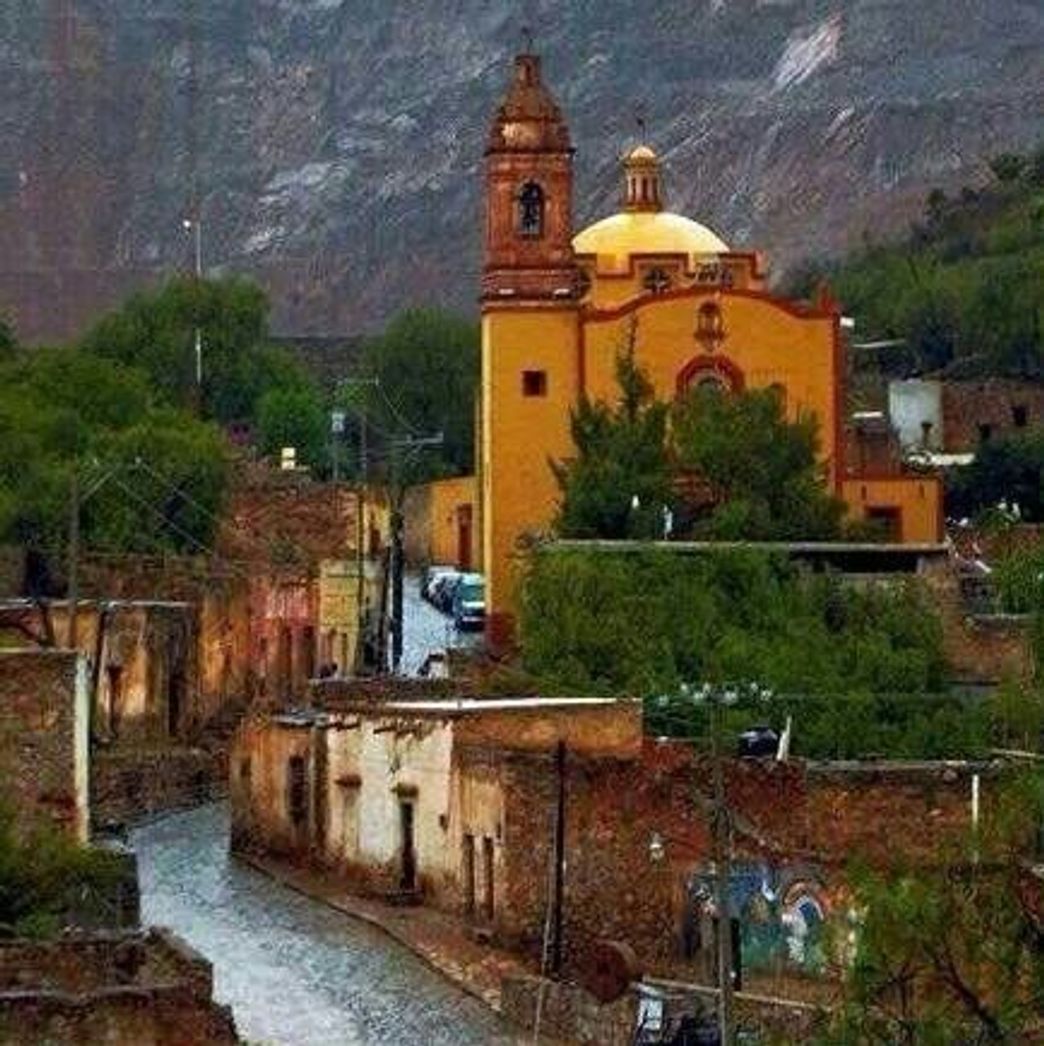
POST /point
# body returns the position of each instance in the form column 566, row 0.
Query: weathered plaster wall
column 44, row 720
column 991, row 409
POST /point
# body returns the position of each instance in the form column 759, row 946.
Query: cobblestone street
column 426, row 629
column 293, row 970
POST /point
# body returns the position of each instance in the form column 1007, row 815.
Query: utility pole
column 195, row 226
column 401, row 448
column 556, row 939
column 74, row 554
column 722, row 876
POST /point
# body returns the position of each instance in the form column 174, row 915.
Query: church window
column 656, row 281
column 710, row 326
column 534, row 383
column 531, row 210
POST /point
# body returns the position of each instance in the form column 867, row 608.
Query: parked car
column 758, row 741
column 469, row 602
column 442, row 590
column 430, row 575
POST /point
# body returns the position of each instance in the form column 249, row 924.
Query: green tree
column 1010, row 469
column 293, row 417
column 154, row 331
column 62, row 409
column 952, row 951
column 427, row 364
column 8, row 341
column 618, row 483
column 764, row 477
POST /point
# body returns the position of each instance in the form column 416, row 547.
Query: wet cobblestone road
column 293, row 970
column 425, row 629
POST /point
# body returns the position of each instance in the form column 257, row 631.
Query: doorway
column 408, row 877
column 487, row 866
column 464, row 525
column 469, row 874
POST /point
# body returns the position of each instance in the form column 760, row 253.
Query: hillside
column 336, row 144
column 962, row 295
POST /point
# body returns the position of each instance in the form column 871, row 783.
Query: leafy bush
column 45, row 877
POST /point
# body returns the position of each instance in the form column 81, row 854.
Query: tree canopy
column 765, row 480
column 618, row 483
column 963, row 290
column 64, row 409
column 426, row 362
column 757, row 473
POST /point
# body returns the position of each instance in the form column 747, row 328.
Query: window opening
column 531, row 210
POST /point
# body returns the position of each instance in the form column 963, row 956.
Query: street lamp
column 193, row 225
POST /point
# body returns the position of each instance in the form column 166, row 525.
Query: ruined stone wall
column 990, row 409
column 259, row 789
column 979, row 649
column 110, row 988
column 222, row 679
column 129, row 783
column 44, row 724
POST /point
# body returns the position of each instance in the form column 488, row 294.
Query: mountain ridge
column 336, row 145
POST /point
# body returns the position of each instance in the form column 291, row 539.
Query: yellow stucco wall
column 520, row 433
column 768, row 342
column 433, row 511
column 918, row 499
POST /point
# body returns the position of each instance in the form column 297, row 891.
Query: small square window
column 1019, row 416
column 534, row 383
column 985, row 431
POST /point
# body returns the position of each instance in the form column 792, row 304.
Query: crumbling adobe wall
column 996, row 403
column 128, row 784
column 44, row 721
column 110, row 988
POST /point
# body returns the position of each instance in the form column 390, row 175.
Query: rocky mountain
column 336, row 145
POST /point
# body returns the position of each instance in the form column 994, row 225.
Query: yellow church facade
column 558, row 306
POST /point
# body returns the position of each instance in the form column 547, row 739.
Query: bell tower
column 528, row 253
column 530, row 331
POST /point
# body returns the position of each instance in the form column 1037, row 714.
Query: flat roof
column 503, row 704
column 85, row 603
column 800, row 547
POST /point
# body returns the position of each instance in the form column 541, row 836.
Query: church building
column 558, row 305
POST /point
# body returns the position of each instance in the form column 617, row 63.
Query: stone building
column 110, row 988
column 559, row 305
column 141, row 661
column 454, row 802
column 44, row 737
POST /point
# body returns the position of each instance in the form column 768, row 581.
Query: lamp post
column 194, row 226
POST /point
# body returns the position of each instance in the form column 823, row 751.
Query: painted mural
column 782, row 914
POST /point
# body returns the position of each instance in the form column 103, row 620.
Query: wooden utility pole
column 73, row 553
column 556, row 940
column 722, row 877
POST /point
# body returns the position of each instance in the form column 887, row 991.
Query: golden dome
column 641, row 154
column 648, row 232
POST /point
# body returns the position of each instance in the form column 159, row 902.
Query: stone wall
column 114, row 988
column 989, row 409
column 44, row 729
column 128, row 784
column 569, row 1014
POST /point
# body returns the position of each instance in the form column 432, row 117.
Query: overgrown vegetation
column 46, row 880
column 63, row 410
column 1007, row 470
column 954, row 951
column 860, row 671
column 963, row 290
column 756, row 474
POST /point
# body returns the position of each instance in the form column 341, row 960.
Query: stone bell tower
column 529, row 194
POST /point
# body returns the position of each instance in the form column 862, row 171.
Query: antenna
column 527, row 40
column 639, row 119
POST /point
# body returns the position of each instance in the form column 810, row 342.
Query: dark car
column 757, row 742
column 469, row 602
column 442, row 590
